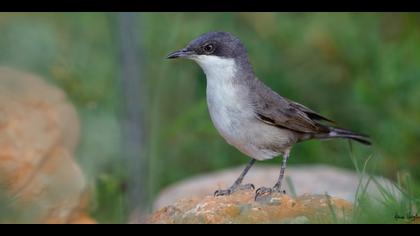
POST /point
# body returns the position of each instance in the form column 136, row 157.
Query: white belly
column 228, row 114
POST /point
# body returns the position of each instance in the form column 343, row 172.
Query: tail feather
column 343, row 133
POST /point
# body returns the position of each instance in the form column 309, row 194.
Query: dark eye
column 209, row 48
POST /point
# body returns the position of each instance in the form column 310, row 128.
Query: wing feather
column 275, row 110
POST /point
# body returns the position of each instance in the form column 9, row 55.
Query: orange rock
column 241, row 207
column 39, row 131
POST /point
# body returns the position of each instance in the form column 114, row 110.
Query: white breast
column 226, row 98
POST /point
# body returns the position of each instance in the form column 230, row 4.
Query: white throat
column 216, row 68
column 220, row 72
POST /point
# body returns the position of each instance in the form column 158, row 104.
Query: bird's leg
column 264, row 191
column 237, row 185
column 277, row 186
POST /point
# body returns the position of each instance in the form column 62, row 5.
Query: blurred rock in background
column 313, row 179
column 39, row 131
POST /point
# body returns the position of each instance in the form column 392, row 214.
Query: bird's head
column 214, row 50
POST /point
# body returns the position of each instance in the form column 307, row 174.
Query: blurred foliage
column 360, row 69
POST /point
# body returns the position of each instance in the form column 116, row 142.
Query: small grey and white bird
column 247, row 113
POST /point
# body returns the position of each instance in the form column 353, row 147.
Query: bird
column 250, row 115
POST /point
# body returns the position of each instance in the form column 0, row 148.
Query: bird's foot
column 224, row 192
column 264, row 194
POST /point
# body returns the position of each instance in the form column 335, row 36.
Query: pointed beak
column 179, row 54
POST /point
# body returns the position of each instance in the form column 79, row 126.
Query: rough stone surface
column 316, row 179
column 39, row 131
column 241, row 208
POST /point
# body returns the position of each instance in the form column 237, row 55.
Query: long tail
column 335, row 132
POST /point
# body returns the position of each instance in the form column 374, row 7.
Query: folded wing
column 275, row 110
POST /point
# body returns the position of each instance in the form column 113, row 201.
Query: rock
column 39, row 132
column 241, row 208
column 315, row 179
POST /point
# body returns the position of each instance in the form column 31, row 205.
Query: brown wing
column 275, row 110
column 310, row 113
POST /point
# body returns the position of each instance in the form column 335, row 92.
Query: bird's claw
column 222, row 192
column 225, row 192
column 265, row 193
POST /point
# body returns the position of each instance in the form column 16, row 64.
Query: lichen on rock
column 241, row 208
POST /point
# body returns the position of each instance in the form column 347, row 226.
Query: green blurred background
column 360, row 69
